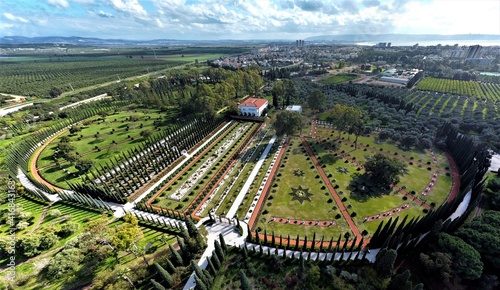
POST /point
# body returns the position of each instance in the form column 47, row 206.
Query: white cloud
column 446, row 17
column 159, row 23
column 105, row 14
column 59, row 3
column 240, row 19
column 15, row 18
column 87, row 2
column 131, row 7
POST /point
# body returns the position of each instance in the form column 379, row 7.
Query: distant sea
column 460, row 42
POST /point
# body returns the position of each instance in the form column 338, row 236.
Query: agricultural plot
column 39, row 76
column 488, row 91
column 101, row 139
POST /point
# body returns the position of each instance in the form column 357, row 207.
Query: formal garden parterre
column 307, row 192
column 337, row 159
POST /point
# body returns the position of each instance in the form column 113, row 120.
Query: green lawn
column 101, row 140
column 341, row 172
column 282, row 204
column 338, row 78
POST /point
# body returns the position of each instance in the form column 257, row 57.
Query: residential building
column 253, row 107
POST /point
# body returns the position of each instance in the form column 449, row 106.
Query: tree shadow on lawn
column 330, row 158
column 137, row 140
column 56, row 168
column 362, row 188
column 48, row 157
column 96, row 141
column 68, row 177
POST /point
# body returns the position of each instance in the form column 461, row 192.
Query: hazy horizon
column 244, row 20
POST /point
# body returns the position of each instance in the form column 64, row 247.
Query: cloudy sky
column 245, row 19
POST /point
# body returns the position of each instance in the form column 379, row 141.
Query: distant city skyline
column 244, row 19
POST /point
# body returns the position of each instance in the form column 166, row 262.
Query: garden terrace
column 102, row 140
column 223, row 201
column 299, row 196
column 341, row 160
column 156, row 155
column 223, row 174
column 426, row 185
column 168, row 147
column 208, row 163
column 205, row 183
column 176, row 182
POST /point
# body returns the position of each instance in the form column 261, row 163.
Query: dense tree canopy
column 344, row 117
column 287, row 122
column 383, row 170
column 483, row 233
column 317, row 100
column 466, row 260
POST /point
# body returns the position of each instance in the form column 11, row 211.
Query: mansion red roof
column 253, row 102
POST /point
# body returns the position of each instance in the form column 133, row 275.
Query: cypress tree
column 199, row 283
column 302, row 267
column 170, row 266
column 198, row 272
column 245, row 283
column 223, row 243
column 337, row 246
column 219, row 251
column 330, row 245
column 211, row 267
column 249, row 236
column 157, row 285
column 215, row 261
column 165, row 276
column 184, row 233
column 245, row 251
column 191, row 227
column 385, row 262
column 175, row 256
column 182, row 245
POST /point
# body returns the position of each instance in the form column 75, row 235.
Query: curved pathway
column 34, row 159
